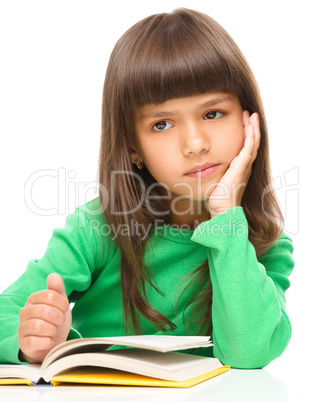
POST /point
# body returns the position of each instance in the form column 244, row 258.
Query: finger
column 254, row 119
column 249, row 142
column 39, row 327
column 42, row 312
column 49, row 298
column 255, row 122
column 246, row 118
column 32, row 343
column 252, row 134
column 243, row 160
column 55, row 282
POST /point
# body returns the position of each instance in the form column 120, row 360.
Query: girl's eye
column 162, row 125
column 212, row 115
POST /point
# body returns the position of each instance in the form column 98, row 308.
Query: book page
column 160, row 343
column 28, row 371
column 173, row 366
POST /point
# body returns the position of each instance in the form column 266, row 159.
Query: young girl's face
column 178, row 135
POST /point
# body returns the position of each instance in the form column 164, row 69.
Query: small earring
column 139, row 164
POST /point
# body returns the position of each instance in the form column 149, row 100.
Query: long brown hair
column 162, row 57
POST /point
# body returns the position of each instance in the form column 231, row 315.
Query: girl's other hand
column 229, row 191
column 45, row 321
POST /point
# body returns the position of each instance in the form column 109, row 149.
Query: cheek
column 239, row 141
column 159, row 159
column 231, row 142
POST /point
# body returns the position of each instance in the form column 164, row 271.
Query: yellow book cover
column 92, row 376
column 147, row 360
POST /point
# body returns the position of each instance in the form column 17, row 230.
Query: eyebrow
column 211, row 102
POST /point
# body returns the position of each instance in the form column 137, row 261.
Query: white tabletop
column 235, row 385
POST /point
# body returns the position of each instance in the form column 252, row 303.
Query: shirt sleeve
column 71, row 253
column 250, row 325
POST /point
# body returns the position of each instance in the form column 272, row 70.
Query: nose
column 194, row 140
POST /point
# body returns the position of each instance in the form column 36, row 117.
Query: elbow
column 256, row 358
column 258, row 352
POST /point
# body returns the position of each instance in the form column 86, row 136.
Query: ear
column 135, row 156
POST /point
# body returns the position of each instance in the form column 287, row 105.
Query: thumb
column 55, row 282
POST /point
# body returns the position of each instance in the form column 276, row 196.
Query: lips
column 199, row 168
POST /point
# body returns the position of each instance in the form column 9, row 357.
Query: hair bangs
column 177, row 57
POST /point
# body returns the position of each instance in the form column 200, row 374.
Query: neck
column 187, row 214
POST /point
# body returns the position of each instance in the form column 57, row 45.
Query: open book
column 147, row 360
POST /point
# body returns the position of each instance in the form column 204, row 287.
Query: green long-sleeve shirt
column 250, row 326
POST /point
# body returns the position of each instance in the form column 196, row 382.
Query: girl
column 186, row 236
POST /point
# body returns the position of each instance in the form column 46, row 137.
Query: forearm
column 70, row 253
column 250, row 327
column 9, row 321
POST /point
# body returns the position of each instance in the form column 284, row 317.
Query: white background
column 53, row 61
